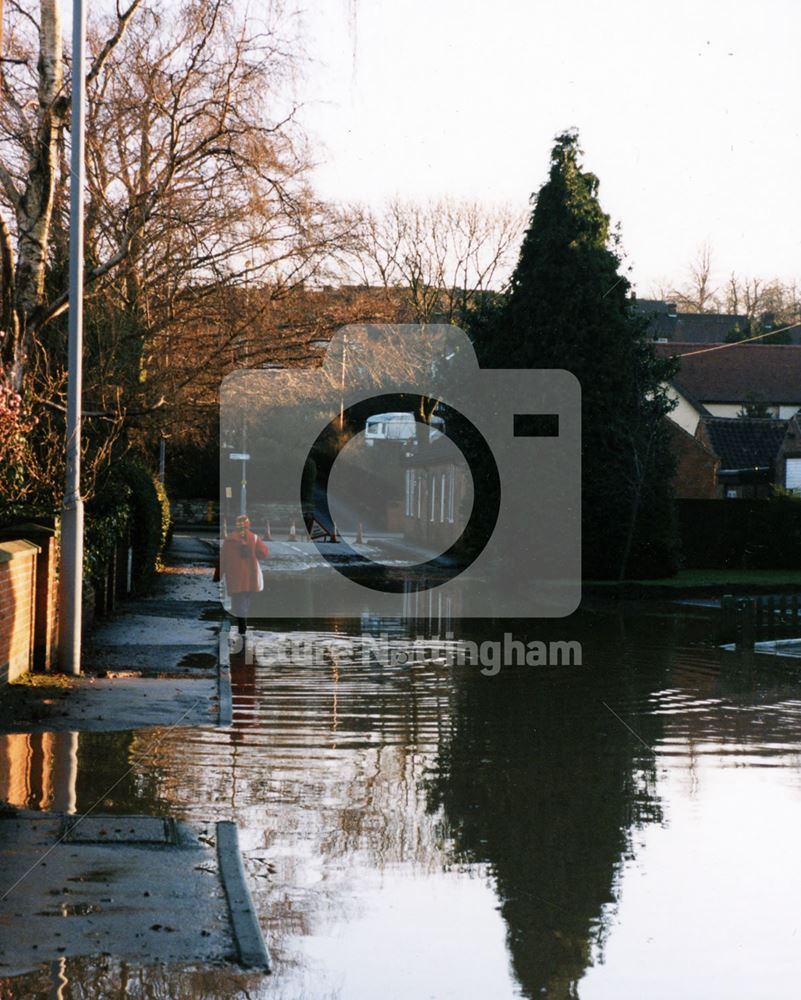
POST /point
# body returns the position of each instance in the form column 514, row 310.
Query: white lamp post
column 71, row 578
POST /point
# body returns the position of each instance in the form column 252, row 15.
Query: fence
column 748, row 620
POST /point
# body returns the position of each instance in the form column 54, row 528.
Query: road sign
column 239, row 456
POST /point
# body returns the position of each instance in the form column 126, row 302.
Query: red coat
column 239, row 562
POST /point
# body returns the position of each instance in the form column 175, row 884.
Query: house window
column 731, row 493
column 451, row 492
column 792, row 475
column 420, row 498
column 433, row 484
column 442, row 499
column 410, row 492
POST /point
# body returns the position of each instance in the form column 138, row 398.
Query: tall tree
column 197, row 193
column 698, row 294
column 443, row 256
column 568, row 307
column 33, row 116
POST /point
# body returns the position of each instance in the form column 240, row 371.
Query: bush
column 107, row 517
column 149, row 520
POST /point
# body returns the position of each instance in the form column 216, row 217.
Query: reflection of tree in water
column 105, row 766
column 107, row 978
column 539, row 780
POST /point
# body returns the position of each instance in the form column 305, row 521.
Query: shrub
column 149, row 521
column 107, row 517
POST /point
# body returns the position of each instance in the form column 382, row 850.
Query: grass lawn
column 688, row 579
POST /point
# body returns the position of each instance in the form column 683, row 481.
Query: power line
column 746, row 340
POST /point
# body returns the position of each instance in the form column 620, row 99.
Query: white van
column 399, row 427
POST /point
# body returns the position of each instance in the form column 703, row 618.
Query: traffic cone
column 360, row 535
column 268, row 535
column 293, row 534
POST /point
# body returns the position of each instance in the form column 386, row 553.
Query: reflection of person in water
column 239, row 565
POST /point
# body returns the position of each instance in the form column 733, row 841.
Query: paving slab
column 135, row 628
column 143, row 889
column 104, row 704
column 156, row 659
column 173, row 630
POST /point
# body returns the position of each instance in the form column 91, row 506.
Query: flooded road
column 626, row 828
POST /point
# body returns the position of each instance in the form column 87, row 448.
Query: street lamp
column 342, row 383
column 243, row 457
column 163, row 456
column 326, row 343
column 71, row 574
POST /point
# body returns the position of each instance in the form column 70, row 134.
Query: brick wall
column 17, row 607
column 42, row 533
column 696, row 467
column 45, row 644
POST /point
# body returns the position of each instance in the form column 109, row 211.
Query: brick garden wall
column 45, row 644
column 17, row 607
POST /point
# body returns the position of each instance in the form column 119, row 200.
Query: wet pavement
column 138, row 888
column 122, row 702
column 141, row 888
column 172, row 632
column 152, row 664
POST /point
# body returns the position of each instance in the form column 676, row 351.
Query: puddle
column 104, row 875
column 71, row 909
column 204, row 660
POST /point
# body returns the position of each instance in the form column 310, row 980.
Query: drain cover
column 119, row 830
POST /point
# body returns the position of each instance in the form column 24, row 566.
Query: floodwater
column 627, row 828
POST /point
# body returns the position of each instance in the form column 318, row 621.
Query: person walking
column 239, row 567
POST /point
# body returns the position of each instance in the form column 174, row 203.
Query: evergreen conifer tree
column 568, row 306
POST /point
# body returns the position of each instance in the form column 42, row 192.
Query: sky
column 686, row 112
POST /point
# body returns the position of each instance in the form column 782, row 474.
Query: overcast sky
column 687, row 113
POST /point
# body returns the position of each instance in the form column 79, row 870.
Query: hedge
column 741, row 534
column 132, row 497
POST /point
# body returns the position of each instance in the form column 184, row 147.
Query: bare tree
column 199, row 217
column 443, row 254
column 33, row 116
column 199, row 213
column 771, row 308
column 698, row 294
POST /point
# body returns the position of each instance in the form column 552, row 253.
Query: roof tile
column 737, row 373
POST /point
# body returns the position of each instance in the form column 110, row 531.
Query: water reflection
column 39, row 770
column 539, row 780
column 458, row 835
column 104, row 978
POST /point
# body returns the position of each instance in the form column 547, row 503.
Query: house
column 667, row 325
column 437, row 490
column 724, row 380
column 788, row 462
column 748, row 451
column 696, row 476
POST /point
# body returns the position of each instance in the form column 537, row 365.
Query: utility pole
column 342, row 383
column 243, row 484
column 71, row 580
